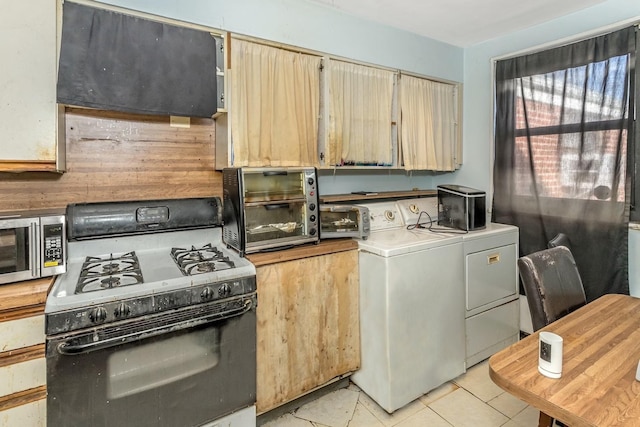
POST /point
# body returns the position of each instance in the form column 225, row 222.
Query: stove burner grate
column 205, row 259
column 109, row 272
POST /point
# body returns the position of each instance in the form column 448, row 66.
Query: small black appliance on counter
column 461, row 207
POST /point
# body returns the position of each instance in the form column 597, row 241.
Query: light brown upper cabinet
column 273, row 101
column 290, row 107
column 30, row 119
column 429, row 126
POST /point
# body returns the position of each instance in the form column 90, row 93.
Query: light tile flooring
column 471, row 400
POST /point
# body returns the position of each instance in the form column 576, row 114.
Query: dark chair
column 552, row 285
column 553, row 288
column 560, row 239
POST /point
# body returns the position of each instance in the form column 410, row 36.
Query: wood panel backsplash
column 116, row 156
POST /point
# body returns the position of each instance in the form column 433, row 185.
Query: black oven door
column 184, row 376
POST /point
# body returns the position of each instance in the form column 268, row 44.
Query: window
column 571, row 125
column 564, row 152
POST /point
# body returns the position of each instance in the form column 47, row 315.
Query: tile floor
column 471, row 400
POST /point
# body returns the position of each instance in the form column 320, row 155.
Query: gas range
column 154, row 321
column 114, row 278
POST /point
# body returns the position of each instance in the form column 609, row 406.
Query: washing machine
column 412, row 309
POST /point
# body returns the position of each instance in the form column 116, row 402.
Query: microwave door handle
column 65, row 348
column 34, row 250
column 277, row 206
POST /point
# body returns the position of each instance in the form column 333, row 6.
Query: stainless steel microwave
column 269, row 208
column 32, row 245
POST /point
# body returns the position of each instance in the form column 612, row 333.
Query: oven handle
column 65, row 348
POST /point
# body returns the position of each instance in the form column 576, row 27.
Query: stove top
column 125, row 267
column 200, row 260
column 138, row 261
column 109, row 271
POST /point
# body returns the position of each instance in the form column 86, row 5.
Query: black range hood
column 113, row 61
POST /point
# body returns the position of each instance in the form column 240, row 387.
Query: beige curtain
column 274, row 106
column 428, row 123
column 359, row 115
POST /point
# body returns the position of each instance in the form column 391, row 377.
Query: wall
column 317, row 27
column 478, row 77
column 116, row 156
column 478, row 90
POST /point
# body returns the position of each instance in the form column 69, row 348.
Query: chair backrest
column 552, row 285
column 560, row 239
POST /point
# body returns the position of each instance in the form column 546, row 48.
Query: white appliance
column 412, row 314
column 492, row 314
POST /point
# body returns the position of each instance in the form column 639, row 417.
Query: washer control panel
column 384, row 215
column 424, row 209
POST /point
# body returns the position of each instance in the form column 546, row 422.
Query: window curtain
column 274, row 106
column 428, row 124
column 561, row 154
column 359, row 115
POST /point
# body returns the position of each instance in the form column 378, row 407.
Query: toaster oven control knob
column 312, row 218
column 311, row 181
column 312, row 231
column 98, row 315
column 122, row 310
column 224, row 290
column 312, row 207
column 206, row 294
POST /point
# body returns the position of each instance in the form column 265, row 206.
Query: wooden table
column 600, row 357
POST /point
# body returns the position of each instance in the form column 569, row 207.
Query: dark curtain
column 561, row 154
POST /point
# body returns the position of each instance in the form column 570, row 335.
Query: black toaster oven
column 461, row 207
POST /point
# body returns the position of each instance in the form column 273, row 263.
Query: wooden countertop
column 25, row 294
column 601, row 349
column 33, row 293
column 325, row 247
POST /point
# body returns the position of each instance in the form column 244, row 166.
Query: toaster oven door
column 275, row 224
column 336, row 222
column 266, row 186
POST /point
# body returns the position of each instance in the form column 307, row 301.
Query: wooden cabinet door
column 308, row 327
column 28, row 112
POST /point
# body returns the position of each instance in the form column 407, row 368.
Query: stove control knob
column 98, row 315
column 225, row 290
column 206, row 294
column 122, row 310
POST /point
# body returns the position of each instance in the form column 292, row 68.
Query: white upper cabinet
column 29, row 115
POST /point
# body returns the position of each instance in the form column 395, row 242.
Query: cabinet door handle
column 492, row 259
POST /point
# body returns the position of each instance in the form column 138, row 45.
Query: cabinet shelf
column 336, row 198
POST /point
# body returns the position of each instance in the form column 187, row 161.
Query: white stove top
column 159, row 270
